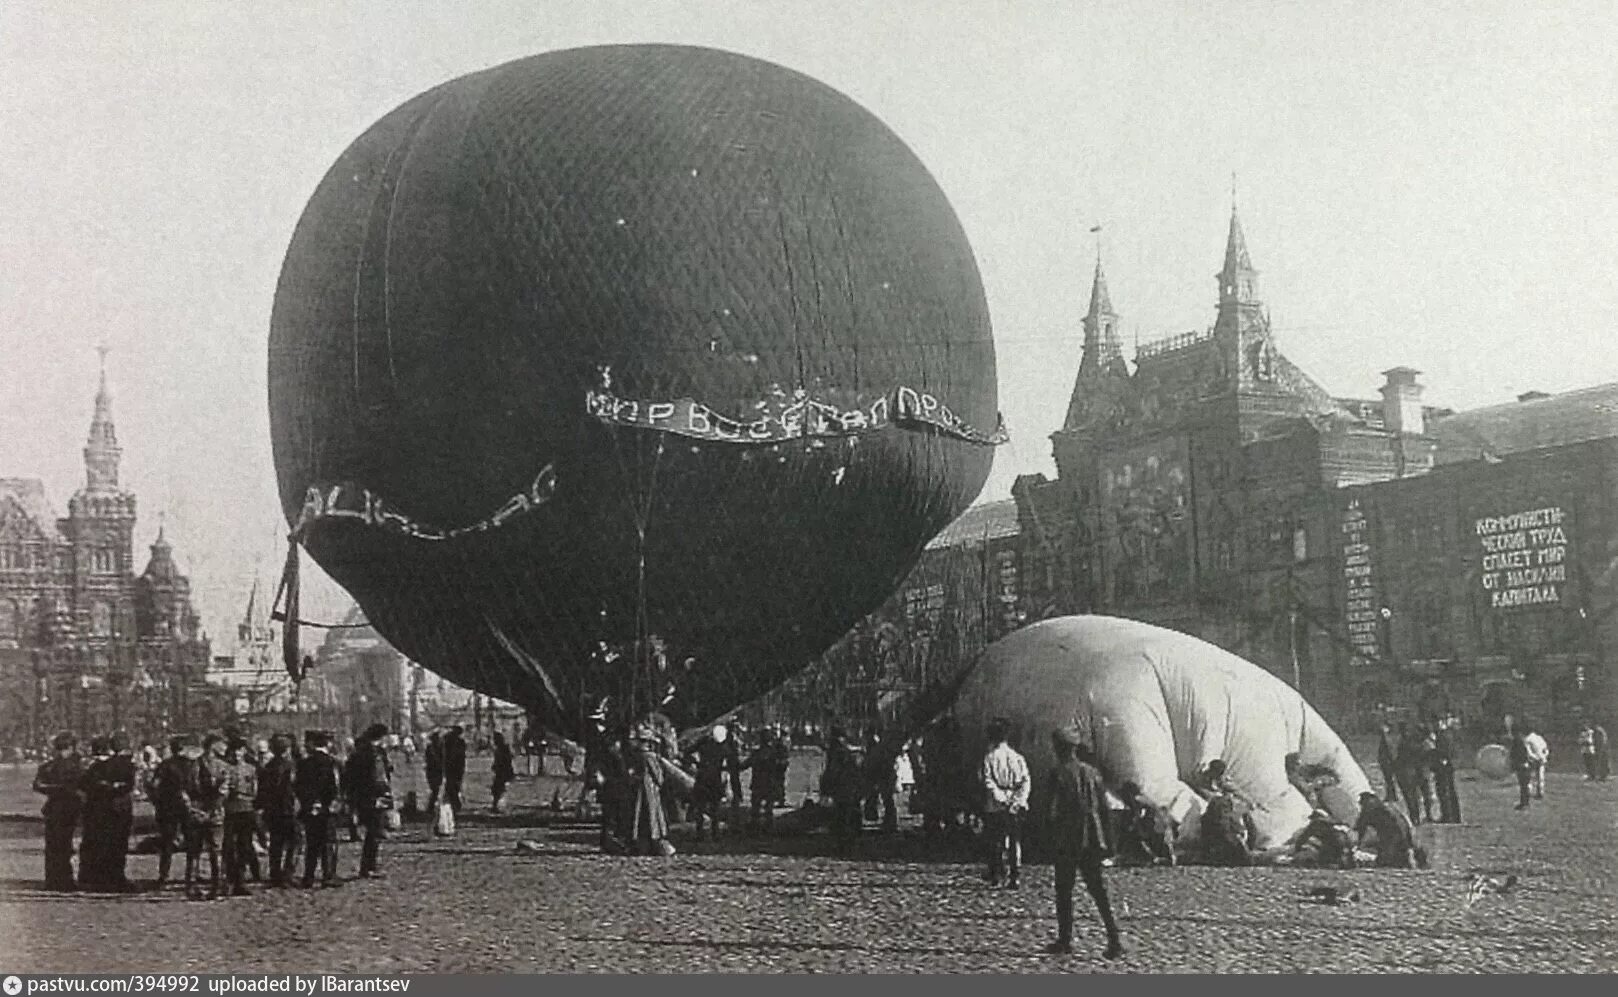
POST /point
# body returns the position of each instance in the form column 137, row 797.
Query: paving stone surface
column 473, row 904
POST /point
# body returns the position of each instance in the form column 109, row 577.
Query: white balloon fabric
column 1158, row 705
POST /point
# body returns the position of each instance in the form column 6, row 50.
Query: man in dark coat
column 504, row 770
column 435, row 771
column 1387, row 759
column 1413, row 764
column 109, row 800
column 454, row 767
column 316, row 786
column 843, row 782
column 167, row 791
column 278, row 803
column 59, row 779
column 1443, row 765
column 1522, row 765
column 370, row 795
column 1075, row 812
column 713, row 760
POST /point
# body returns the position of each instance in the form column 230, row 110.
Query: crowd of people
column 221, row 799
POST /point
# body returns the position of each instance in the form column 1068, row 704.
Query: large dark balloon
column 621, row 341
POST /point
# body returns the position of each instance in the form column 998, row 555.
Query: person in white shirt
column 1005, row 777
column 1539, row 753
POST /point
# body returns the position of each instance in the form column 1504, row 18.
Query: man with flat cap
column 58, row 779
column 167, row 789
column 316, row 786
column 109, row 787
column 368, row 776
column 1075, row 812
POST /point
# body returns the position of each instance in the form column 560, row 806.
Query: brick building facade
column 1368, row 551
column 86, row 644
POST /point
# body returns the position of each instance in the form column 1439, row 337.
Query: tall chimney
column 1401, row 402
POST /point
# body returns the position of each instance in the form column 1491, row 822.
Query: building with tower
column 86, row 644
column 1372, row 552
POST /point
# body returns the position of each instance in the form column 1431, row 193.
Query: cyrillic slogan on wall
column 1360, row 611
column 1524, row 557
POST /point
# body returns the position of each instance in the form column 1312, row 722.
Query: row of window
column 103, row 560
column 16, row 620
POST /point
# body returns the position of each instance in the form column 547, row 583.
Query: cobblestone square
column 471, row 903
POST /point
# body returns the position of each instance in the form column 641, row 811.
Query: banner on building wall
column 1361, row 614
column 1524, row 557
column 1146, row 501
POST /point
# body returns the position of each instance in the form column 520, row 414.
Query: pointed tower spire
column 101, row 452
column 1101, row 346
column 1238, row 281
column 1103, row 354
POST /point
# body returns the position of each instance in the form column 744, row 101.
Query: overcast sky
column 1428, row 185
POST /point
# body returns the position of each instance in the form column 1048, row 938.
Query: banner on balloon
column 789, row 419
column 356, row 503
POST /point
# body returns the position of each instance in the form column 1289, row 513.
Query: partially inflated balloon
column 1158, row 705
column 627, row 341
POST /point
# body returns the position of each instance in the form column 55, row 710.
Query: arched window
column 10, row 621
column 101, row 618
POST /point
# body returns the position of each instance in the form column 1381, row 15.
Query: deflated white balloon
column 1159, row 705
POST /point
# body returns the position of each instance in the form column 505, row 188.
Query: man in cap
column 1076, row 823
column 58, row 779
column 241, row 822
column 205, row 812
column 1005, row 779
column 109, row 798
column 370, row 794
column 277, row 801
column 169, row 783
column 315, row 784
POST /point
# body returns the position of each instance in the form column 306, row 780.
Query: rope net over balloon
column 608, row 360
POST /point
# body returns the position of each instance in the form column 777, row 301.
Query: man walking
column 1005, row 778
column 58, row 779
column 315, row 785
column 1075, row 812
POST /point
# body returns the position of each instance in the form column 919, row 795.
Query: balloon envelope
column 1158, row 705
column 1494, row 761
column 627, row 341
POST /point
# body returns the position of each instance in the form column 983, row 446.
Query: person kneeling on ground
column 1323, row 844
column 1147, row 832
column 1224, row 833
column 1394, row 840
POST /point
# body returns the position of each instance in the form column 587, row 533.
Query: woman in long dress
column 649, row 825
